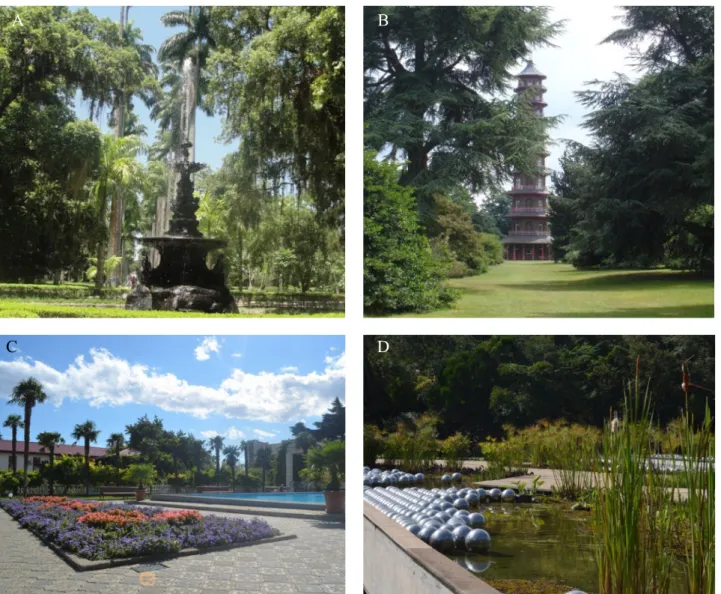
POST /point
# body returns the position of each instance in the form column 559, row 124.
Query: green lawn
column 545, row 289
column 13, row 308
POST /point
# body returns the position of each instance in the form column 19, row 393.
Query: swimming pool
column 316, row 498
column 304, row 501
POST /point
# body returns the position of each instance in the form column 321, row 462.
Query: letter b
column 382, row 20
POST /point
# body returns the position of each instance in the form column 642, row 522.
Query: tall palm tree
column 197, row 453
column 305, row 441
column 232, row 455
column 88, row 432
column 189, row 48
column 244, row 449
column 27, row 394
column 14, row 421
column 116, row 442
column 264, row 459
column 140, row 68
column 118, row 169
column 216, row 443
column 48, row 440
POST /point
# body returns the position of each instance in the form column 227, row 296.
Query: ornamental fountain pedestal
column 182, row 280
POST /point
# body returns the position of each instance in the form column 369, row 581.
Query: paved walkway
column 313, row 563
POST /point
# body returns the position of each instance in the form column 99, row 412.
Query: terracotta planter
column 334, row 502
column 140, row 494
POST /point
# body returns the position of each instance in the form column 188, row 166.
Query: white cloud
column 231, row 434
column 261, row 433
column 209, row 345
column 103, row 379
column 289, row 369
column 237, row 355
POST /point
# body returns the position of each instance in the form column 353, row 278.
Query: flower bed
column 109, row 531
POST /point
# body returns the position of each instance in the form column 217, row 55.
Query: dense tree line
column 476, row 385
column 641, row 193
column 74, row 200
column 437, row 111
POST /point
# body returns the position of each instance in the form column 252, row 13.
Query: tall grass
column 637, row 510
column 698, row 472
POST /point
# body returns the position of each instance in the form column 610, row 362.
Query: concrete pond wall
column 395, row 561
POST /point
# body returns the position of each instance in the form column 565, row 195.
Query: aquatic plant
column 638, row 508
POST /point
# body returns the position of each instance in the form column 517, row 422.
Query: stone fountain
column 182, row 280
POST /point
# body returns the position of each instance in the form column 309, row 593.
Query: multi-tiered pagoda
column 529, row 236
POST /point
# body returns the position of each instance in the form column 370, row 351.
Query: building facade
column 38, row 455
column 529, row 236
column 293, row 457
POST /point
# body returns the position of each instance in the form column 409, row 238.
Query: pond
column 539, row 542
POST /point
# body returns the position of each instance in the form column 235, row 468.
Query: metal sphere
column 508, row 495
column 425, row 533
column 478, row 541
column 495, row 494
column 420, row 477
column 476, row 566
column 459, row 536
column 414, row 529
column 482, row 494
column 476, row 520
column 460, row 504
column 442, row 540
column 456, row 476
column 446, row 478
column 461, row 512
column 472, row 498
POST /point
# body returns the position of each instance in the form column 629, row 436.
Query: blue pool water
column 316, row 498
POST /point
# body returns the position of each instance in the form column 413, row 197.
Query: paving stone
column 313, row 563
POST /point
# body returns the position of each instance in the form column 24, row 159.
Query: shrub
column 372, row 444
column 399, row 273
column 454, row 448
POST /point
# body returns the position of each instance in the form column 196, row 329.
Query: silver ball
column 446, row 478
column 426, row 533
column 457, row 476
column 476, row 566
column 495, row 494
column 482, row 494
column 508, row 495
column 442, row 540
column 414, row 529
column 478, row 541
column 459, row 536
column 476, row 520
column 460, row 504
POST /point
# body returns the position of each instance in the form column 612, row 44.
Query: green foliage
column 372, row 444
column 281, row 88
column 479, row 384
column 413, row 444
column 142, row 474
column 437, row 104
column 9, row 482
column 399, row 271
column 642, row 193
column 327, row 462
column 455, row 448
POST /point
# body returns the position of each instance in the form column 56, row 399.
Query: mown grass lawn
column 35, row 308
column 545, row 289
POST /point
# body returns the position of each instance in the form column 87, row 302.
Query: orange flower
column 179, row 517
column 117, row 517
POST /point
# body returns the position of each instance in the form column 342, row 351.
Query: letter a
column 18, row 20
column 382, row 20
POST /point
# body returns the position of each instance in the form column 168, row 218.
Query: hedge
column 246, row 299
column 64, row 311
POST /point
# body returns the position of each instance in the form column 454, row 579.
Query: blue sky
column 242, row 387
column 147, row 19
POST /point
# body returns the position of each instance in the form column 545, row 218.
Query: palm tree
column 244, row 448
column 116, row 442
column 232, row 455
column 139, row 70
column 305, row 441
column 48, row 440
column 118, row 170
column 27, row 394
column 88, row 432
column 14, row 421
column 197, row 453
column 263, row 459
column 216, row 443
column 190, row 48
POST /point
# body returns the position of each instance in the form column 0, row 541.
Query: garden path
column 313, row 563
